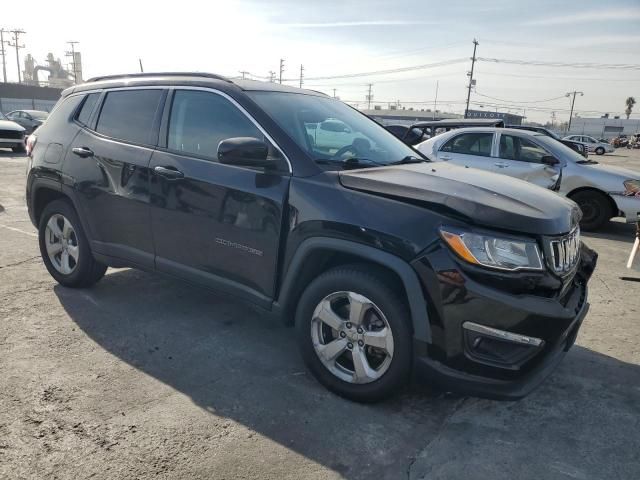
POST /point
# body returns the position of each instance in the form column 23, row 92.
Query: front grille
column 11, row 134
column 565, row 252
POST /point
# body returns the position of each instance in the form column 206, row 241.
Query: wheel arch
column 319, row 254
column 612, row 203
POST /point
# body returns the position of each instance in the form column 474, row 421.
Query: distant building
column 604, row 127
column 401, row 116
column 509, row 118
column 14, row 96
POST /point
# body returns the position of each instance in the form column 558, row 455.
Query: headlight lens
column 632, row 187
column 493, row 251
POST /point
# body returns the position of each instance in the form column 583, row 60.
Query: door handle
column 168, row 172
column 501, row 164
column 83, row 152
column 445, row 157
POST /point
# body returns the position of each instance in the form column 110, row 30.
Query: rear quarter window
column 129, row 114
column 87, row 107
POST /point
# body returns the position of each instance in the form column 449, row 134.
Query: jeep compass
column 385, row 262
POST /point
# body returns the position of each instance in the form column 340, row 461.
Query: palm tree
column 629, row 102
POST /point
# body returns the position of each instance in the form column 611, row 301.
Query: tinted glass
column 521, row 149
column 301, row 116
column 470, row 144
column 201, row 120
column 87, row 108
column 128, row 115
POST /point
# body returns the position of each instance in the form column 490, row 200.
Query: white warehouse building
column 604, row 127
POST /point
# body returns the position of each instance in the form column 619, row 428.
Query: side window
column 86, row 109
column 522, row 149
column 199, row 121
column 128, row 115
column 470, row 144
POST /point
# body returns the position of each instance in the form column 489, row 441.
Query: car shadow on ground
column 239, row 363
column 614, row 230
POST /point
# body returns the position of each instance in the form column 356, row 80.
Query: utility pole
column 72, row 54
column 3, row 53
column 435, row 102
column 281, row 68
column 369, row 96
column 140, row 62
column 16, row 43
column 573, row 101
column 334, row 93
column 301, row 74
column 471, row 80
column 243, row 74
column 553, row 119
column 272, row 76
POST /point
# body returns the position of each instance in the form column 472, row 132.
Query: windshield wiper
column 351, row 162
column 587, row 162
column 409, row 159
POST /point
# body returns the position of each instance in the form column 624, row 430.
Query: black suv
column 386, row 262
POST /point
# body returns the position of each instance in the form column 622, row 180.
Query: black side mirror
column 245, row 152
column 549, row 160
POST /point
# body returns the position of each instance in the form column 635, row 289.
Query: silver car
column 593, row 145
column 601, row 191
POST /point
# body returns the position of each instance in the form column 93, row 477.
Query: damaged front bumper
column 499, row 338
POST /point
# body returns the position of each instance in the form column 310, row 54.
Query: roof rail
column 159, row 74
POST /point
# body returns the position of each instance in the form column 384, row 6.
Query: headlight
column 632, row 187
column 492, row 251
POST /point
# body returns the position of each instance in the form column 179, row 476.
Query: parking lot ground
column 145, row 377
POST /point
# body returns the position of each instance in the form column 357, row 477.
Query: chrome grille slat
column 565, row 252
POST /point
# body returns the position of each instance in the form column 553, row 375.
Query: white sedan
column 593, row 145
column 601, row 191
column 11, row 135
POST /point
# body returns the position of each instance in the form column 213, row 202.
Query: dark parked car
column 29, row 119
column 575, row 146
column 387, row 262
column 424, row 130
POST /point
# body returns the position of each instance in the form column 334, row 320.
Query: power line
column 612, row 66
column 558, row 77
column 520, row 101
column 388, row 71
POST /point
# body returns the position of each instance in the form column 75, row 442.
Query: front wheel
column 354, row 333
column 599, row 151
column 596, row 210
column 65, row 249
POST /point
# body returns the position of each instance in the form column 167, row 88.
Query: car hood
column 9, row 125
column 483, row 198
column 619, row 171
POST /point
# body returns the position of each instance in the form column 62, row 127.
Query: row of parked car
column 15, row 126
column 536, row 155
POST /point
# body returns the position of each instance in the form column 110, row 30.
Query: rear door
column 469, row 149
column 522, row 158
column 215, row 224
column 109, row 162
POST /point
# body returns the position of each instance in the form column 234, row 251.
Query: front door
column 215, row 224
column 522, row 158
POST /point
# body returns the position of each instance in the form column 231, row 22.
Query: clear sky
column 335, row 37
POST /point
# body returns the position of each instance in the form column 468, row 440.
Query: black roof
column 202, row 79
column 460, row 122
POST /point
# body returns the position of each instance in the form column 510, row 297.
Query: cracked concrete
column 144, row 377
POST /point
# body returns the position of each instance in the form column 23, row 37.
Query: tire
column 19, row 149
column 81, row 272
column 596, row 209
column 599, row 151
column 356, row 284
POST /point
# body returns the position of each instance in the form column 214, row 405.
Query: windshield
column 39, row 115
column 560, row 149
column 333, row 133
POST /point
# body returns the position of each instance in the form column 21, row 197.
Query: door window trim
column 499, row 152
column 164, row 126
column 492, row 152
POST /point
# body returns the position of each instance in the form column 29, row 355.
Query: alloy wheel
column 352, row 337
column 61, row 243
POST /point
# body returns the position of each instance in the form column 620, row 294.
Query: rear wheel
column 354, row 335
column 599, row 151
column 64, row 247
column 596, row 209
